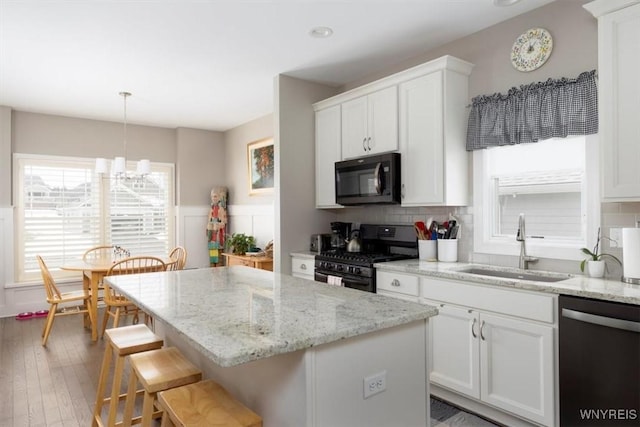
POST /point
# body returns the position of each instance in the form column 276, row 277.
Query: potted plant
column 595, row 263
column 241, row 243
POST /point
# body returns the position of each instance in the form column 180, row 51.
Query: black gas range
column 380, row 243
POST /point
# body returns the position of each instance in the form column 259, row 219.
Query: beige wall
column 200, row 165
column 237, row 175
column 67, row 136
column 5, row 156
column 575, row 42
column 296, row 215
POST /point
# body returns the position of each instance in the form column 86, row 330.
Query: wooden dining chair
column 118, row 305
column 179, row 254
column 97, row 252
column 56, row 298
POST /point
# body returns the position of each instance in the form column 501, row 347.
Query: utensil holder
column 447, row 250
column 428, row 250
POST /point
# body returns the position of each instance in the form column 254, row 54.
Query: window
column 554, row 183
column 64, row 208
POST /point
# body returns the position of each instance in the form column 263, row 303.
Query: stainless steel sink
column 516, row 274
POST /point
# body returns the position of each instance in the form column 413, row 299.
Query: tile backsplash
column 613, row 215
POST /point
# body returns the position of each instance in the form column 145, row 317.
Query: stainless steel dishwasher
column 599, row 363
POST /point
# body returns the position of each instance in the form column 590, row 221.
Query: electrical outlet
column 615, row 234
column 375, row 384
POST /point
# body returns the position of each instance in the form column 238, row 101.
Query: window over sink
column 555, row 183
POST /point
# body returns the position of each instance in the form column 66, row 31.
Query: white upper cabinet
column 419, row 112
column 619, row 96
column 370, row 124
column 327, row 153
column 433, row 123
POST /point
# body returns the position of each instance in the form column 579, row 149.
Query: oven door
column 355, row 282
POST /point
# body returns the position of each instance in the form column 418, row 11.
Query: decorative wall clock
column 531, row 49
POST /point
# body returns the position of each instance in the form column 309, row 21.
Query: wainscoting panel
column 254, row 220
column 192, row 234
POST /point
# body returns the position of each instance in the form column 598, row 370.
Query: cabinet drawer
column 302, row 266
column 527, row 305
column 398, row 282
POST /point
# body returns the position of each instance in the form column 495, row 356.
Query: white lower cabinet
column 489, row 344
column 516, row 367
column 455, row 348
column 500, row 360
column 398, row 285
column 302, row 267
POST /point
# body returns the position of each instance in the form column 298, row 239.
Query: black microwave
column 368, row 180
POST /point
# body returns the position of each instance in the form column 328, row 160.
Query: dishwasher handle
column 609, row 322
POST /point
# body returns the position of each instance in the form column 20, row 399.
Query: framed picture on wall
column 261, row 166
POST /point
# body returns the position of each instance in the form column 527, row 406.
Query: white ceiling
column 210, row 64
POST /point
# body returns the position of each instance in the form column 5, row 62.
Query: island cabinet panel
column 337, row 380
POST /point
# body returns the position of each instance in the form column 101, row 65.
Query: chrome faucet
column 523, row 262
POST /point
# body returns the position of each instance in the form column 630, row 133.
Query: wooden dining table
column 93, row 270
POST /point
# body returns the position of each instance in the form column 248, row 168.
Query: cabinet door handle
column 473, row 328
column 395, row 282
column 369, row 143
column 303, row 266
column 482, row 330
column 364, row 141
column 402, row 191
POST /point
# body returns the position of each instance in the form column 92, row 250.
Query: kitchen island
column 297, row 352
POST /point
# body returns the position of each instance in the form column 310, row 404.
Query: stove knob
column 321, row 264
column 350, row 269
column 357, row 270
column 329, row 266
column 340, row 268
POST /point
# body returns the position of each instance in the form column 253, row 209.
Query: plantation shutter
column 58, row 212
column 139, row 214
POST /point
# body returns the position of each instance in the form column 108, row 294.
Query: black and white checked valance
column 538, row 111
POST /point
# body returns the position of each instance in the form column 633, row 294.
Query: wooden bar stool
column 156, row 370
column 205, row 403
column 122, row 341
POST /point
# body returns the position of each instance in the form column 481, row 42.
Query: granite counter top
column 240, row 314
column 304, row 254
column 577, row 285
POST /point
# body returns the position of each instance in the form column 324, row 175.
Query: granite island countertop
column 576, row 285
column 239, row 314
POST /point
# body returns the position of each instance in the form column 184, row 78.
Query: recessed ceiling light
column 502, row 3
column 321, row 32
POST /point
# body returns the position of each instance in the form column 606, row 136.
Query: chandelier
column 119, row 164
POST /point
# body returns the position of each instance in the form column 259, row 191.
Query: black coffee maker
column 340, row 231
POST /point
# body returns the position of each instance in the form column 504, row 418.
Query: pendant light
column 119, row 164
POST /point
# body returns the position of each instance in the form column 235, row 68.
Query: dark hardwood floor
column 48, row 386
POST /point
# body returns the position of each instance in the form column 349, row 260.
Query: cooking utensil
column 422, row 229
column 419, row 233
column 454, row 232
column 429, row 222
